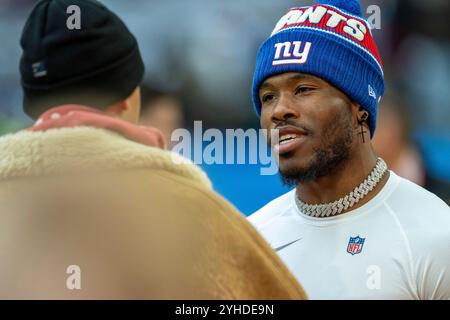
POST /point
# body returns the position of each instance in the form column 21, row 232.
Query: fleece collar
column 70, row 116
column 47, row 148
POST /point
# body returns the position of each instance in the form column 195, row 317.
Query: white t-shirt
column 396, row 246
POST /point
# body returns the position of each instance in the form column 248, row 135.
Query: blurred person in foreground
column 351, row 228
column 91, row 206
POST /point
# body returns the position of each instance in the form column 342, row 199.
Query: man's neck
column 335, row 186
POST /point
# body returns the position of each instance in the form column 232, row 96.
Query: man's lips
column 289, row 138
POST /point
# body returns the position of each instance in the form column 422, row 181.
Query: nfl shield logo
column 355, row 245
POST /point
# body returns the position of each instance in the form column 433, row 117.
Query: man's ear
column 362, row 116
column 127, row 104
column 119, row 107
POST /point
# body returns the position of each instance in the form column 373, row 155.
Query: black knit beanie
column 96, row 65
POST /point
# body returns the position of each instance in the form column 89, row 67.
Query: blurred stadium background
column 200, row 56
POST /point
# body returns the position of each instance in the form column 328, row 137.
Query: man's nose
column 284, row 109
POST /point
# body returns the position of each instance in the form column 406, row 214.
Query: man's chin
column 292, row 178
column 292, row 175
column 296, row 168
column 291, row 162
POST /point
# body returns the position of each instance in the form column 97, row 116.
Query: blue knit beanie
column 329, row 40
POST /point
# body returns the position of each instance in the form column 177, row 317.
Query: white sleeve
column 431, row 261
column 425, row 221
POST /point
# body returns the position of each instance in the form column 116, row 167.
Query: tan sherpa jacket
column 132, row 221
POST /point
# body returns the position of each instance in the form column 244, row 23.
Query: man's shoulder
column 273, row 209
column 415, row 199
column 423, row 221
column 422, row 215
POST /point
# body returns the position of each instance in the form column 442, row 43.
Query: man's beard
column 334, row 151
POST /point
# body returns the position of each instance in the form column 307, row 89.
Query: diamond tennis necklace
column 336, row 207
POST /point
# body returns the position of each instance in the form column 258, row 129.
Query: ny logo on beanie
column 294, row 56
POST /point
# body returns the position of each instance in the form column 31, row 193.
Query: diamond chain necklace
column 336, row 207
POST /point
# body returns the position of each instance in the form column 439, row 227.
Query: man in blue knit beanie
column 351, row 228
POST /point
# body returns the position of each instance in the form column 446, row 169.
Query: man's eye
column 303, row 89
column 267, row 97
